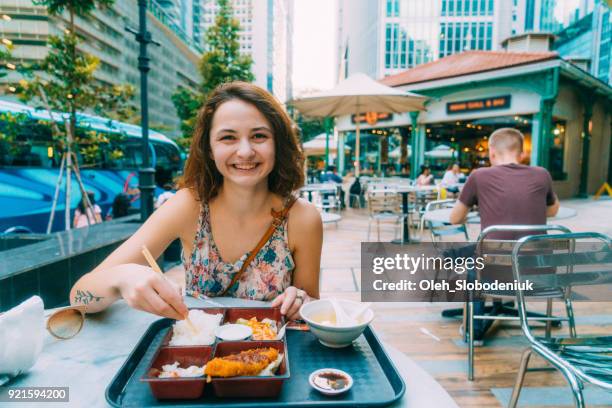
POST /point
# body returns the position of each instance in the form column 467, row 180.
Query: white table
column 87, row 363
column 443, row 215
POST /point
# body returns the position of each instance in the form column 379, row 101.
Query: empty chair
column 497, row 256
column 581, row 360
column 383, row 205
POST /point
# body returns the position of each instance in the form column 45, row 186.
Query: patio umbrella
column 317, row 146
column 441, row 152
column 355, row 95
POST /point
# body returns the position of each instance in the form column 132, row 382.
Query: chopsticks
column 149, row 257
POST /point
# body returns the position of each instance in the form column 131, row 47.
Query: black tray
column 376, row 380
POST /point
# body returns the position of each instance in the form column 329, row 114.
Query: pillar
column 586, row 146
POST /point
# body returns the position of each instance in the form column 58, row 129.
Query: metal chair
column 581, row 360
column 497, row 254
column 329, row 197
column 383, row 205
column 439, row 230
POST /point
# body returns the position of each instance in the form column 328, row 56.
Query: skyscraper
column 400, row 34
column 266, row 36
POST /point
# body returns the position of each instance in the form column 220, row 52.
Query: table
column 319, row 188
column 443, row 215
column 404, row 190
column 88, row 362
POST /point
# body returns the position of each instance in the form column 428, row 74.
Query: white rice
column 205, row 324
column 174, row 371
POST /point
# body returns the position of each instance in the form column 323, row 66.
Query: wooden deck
column 418, row 329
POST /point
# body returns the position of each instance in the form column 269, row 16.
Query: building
column 384, row 37
column 563, row 111
column 266, row 36
column 173, row 63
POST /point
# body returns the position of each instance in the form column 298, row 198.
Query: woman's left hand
column 290, row 302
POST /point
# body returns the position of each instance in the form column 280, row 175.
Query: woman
column 425, row 178
column 244, row 162
column 85, row 215
column 451, row 178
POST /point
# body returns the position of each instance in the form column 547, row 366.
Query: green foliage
column 5, row 56
column 10, row 127
column 66, row 78
column 79, row 7
column 221, row 63
column 310, row 127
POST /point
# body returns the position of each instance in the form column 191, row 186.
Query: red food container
column 233, row 314
column 251, row 386
column 209, row 310
column 177, row 388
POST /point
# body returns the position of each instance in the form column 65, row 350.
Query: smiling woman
column 243, row 233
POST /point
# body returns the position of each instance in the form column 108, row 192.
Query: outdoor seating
column 417, row 201
column 497, row 256
column 440, row 231
column 384, row 204
column 581, row 360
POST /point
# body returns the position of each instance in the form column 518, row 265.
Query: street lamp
column 146, row 174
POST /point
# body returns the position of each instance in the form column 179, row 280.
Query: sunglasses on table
column 66, row 322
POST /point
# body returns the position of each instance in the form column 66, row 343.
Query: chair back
column 385, row 200
column 439, row 230
column 578, row 260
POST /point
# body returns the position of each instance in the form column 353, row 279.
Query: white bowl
column 233, row 332
column 325, row 391
column 334, row 336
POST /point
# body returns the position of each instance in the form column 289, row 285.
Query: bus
column 29, row 168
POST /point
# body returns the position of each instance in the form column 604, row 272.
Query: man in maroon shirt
column 507, row 193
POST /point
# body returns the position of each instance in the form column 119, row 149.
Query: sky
column 314, row 45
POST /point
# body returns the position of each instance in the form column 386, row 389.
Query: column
column 535, row 140
column 545, row 118
column 586, row 146
column 340, row 154
column 417, row 145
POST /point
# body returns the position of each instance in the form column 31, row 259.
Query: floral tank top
column 267, row 276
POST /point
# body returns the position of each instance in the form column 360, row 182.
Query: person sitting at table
column 242, row 231
column 425, row 178
column 507, row 193
column 451, row 178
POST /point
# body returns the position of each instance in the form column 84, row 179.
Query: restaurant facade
column 563, row 111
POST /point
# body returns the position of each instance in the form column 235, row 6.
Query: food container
column 177, row 388
column 260, row 313
column 209, row 310
column 251, row 386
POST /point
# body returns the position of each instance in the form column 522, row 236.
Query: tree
column 67, row 84
column 221, row 63
column 5, row 56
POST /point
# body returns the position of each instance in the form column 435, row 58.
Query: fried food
column 246, row 363
column 264, row 330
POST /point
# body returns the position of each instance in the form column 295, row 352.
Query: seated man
column 507, row 193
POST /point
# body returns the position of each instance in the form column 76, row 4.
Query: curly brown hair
column 201, row 174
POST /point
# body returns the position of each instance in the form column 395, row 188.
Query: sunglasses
column 67, row 322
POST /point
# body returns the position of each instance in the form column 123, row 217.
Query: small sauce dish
column 330, row 381
column 233, row 332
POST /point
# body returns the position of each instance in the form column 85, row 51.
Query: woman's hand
column 290, row 302
column 144, row 289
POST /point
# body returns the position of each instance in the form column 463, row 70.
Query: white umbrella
column 316, row 146
column 441, row 152
column 355, row 95
column 397, row 152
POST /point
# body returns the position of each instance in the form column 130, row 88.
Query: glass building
column 414, row 32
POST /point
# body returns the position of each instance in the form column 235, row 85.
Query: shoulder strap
column 279, row 217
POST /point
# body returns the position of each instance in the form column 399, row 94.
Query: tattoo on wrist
column 86, row 297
